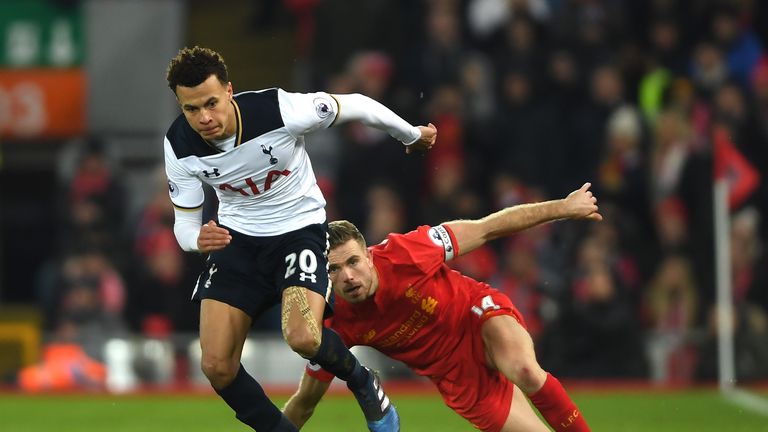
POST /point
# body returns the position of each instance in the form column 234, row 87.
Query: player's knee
column 302, row 341
column 219, row 371
column 528, row 375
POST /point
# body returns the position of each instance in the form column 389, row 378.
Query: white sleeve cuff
column 187, row 228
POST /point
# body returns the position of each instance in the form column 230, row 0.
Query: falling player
column 468, row 338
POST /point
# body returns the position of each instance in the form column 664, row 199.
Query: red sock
column 557, row 408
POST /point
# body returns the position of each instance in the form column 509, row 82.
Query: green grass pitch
column 699, row 411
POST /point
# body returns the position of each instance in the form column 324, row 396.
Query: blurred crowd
column 531, row 99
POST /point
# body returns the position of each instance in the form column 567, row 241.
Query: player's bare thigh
column 223, row 329
column 521, row 416
column 509, row 349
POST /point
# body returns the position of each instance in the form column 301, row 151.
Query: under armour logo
column 304, row 276
column 211, row 271
column 215, row 173
column 272, row 159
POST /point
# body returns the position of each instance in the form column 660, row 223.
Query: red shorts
column 478, row 393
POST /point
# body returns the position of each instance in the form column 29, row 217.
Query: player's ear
column 230, row 90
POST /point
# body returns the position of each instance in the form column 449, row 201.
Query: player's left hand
column 582, row 204
column 427, row 140
column 212, row 237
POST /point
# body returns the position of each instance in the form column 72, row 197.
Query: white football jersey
column 265, row 183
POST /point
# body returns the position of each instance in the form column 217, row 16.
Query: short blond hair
column 342, row 231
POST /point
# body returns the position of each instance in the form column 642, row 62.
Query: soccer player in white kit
column 271, row 243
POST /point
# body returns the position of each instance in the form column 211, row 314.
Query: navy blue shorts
column 252, row 272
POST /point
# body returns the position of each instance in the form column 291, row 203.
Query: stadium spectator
column 599, row 335
column 671, row 304
column 402, row 299
column 486, row 18
column 385, row 212
column 739, row 43
column 84, row 298
column 748, row 260
column 672, row 226
column 438, row 59
column 562, row 96
column 366, row 152
column 158, row 302
column 622, row 178
column 606, row 95
column 95, row 199
column 64, row 367
column 670, row 148
column 750, row 330
column 521, row 131
column 368, row 26
column 271, row 246
column 759, row 109
column 666, row 45
column 521, row 280
column 709, row 69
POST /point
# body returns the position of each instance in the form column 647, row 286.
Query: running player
column 468, row 338
column 271, row 245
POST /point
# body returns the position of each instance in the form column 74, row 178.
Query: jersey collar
column 239, row 124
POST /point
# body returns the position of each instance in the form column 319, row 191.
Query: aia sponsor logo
column 252, row 188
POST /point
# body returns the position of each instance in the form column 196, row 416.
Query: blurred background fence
column 531, row 98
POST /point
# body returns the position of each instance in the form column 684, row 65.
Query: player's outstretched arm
column 372, row 113
column 471, row 234
column 301, row 405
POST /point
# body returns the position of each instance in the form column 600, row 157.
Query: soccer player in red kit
column 468, row 338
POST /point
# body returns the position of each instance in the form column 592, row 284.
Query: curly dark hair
column 192, row 66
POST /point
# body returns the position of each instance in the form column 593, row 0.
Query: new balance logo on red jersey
column 272, row 176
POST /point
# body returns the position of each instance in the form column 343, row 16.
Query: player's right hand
column 212, row 237
column 427, row 140
column 582, row 204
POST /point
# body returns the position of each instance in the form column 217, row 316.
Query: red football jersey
column 430, row 317
column 420, row 312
